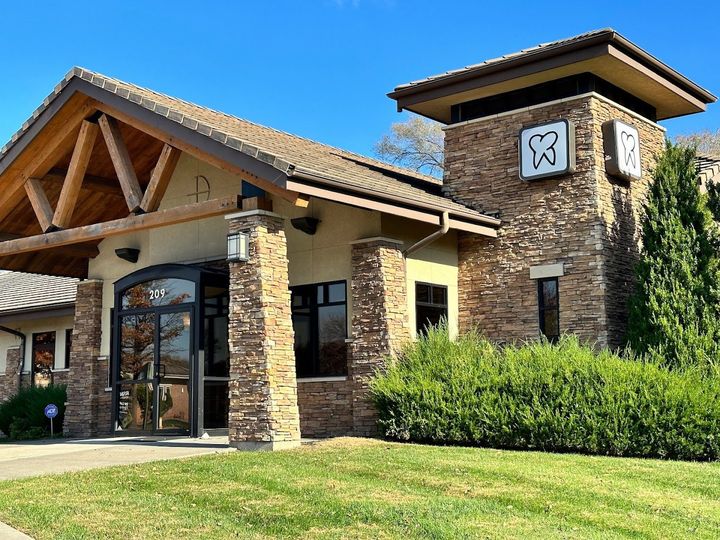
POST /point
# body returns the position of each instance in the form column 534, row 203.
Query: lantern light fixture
column 238, row 246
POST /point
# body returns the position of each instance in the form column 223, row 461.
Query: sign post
column 51, row 411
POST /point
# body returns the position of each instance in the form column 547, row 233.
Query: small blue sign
column 51, row 410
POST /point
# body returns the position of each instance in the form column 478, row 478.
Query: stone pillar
column 10, row 382
column 379, row 319
column 263, row 389
column 88, row 405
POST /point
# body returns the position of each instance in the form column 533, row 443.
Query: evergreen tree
column 674, row 311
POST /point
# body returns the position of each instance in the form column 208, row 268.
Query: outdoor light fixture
column 238, row 247
column 308, row 225
column 128, row 254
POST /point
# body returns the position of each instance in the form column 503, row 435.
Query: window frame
column 313, row 308
column 446, row 306
column 68, row 347
column 32, row 354
column 543, row 309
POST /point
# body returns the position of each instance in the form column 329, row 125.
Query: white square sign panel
column 547, row 150
column 622, row 150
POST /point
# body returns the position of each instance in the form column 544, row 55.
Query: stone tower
column 568, row 212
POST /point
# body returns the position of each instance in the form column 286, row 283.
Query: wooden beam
column 83, row 251
column 99, row 231
column 160, row 178
column 76, row 172
column 122, row 162
column 39, row 201
column 198, row 153
column 303, row 200
column 109, row 186
column 47, row 148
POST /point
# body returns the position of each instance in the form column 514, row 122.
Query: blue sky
column 320, row 68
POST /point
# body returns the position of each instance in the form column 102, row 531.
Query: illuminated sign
column 622, row 150
column 547, row 150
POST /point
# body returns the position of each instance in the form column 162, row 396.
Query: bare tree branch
column 416, row 144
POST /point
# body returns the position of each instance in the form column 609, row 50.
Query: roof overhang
column 37, row 238
column 606, row 54
column 37, row 312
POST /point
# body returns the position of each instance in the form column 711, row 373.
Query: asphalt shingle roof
column 24, row 292
column 286, row 152
column 504, row 58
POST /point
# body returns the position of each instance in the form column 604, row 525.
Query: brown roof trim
column 468, row 215
column 539, row 59
column 51, row 310
column 375, row 204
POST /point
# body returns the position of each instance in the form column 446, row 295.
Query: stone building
column 235, row 278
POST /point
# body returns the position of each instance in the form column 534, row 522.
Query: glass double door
column 156, row 356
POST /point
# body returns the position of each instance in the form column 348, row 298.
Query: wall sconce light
column 238, row 247
column 308, row 225
column 128, row 254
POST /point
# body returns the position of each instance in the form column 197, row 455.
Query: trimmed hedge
column 23, row 415
column 562, row 397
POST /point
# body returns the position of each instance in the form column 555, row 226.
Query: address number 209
column 156, row 294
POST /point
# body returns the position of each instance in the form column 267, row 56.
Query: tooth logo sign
column 628, row 144
column 543, row 147
column 622, row 146
column 546, row 150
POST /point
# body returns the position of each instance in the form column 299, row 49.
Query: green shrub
column 23, row 415
column 562, row 397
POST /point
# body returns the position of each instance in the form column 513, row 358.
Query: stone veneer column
column 379, row 319
column 87, row 412
column 263, row 389
column 10, row 382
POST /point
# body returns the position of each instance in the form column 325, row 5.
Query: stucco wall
column 28, row 327
column 436, row 263
column 195, row 241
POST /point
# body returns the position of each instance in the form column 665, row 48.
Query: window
column 319, row 314
column 43, row 358
column 430, row 305
column 68, row 347
column 549, row 308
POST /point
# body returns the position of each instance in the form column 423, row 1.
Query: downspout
column 442, row 231
column 23, row 339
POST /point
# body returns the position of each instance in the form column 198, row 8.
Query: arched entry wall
column 169, row 353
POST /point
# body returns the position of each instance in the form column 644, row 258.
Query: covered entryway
column 170, row 361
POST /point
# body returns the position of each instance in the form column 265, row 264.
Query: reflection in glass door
column 174, row 357
column 170, row 351
column 155, row 358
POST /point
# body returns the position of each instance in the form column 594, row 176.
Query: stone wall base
column 269, row 446
column 325, row 408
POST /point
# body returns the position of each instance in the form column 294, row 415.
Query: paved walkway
column 36, row 458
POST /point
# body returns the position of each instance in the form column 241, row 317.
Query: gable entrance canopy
column 95, row 159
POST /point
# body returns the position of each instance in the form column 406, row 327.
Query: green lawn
column 350, row 488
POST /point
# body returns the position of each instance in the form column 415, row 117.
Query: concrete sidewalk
column 36, row 458
column 8, row 533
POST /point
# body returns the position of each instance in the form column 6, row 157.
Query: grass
column 354, row 488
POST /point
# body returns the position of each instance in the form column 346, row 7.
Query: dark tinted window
column 319, row 313
column 431, row 305
column 549, row 308
column 43, row 358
